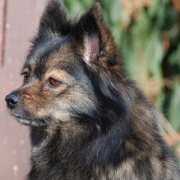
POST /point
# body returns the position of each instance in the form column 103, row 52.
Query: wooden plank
column 3, row 18
column 21, row 25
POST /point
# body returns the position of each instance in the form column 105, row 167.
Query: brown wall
column 18, row 23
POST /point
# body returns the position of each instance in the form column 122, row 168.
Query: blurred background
column 147, row 33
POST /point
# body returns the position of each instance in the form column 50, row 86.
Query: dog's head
column 68, row 71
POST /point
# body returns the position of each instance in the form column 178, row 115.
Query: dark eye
column 54, row 82
column 25, row 74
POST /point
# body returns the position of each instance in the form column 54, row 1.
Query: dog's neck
column 73, row 142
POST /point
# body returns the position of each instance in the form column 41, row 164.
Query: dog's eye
column 54, row 82
column 25, row 74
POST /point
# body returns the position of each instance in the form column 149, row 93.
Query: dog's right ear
column 54, row 20
column 96, row 38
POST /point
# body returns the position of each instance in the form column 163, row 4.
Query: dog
column 87, row 119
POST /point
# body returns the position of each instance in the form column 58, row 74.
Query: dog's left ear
column 96, row 37
column 54, row 21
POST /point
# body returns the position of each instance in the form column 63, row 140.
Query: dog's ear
column 54, row 20
column 97, row 38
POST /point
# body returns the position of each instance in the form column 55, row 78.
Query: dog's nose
column 12, row 100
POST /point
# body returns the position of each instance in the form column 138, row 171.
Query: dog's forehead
column 54, row 52
column 62, row 57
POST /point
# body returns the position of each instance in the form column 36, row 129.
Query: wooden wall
column 18, row 23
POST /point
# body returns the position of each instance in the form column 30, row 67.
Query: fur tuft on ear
column 91, row 48
column 54, row 20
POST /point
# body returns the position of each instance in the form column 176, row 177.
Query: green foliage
column 174, row 112
column 149, row 38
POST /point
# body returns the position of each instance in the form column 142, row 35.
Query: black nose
column 12, row 100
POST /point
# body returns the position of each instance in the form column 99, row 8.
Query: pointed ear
column 54, row 20
column 97, row 38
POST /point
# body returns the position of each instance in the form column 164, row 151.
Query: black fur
column 109, row 130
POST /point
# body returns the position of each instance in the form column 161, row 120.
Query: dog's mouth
column 31, row 121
